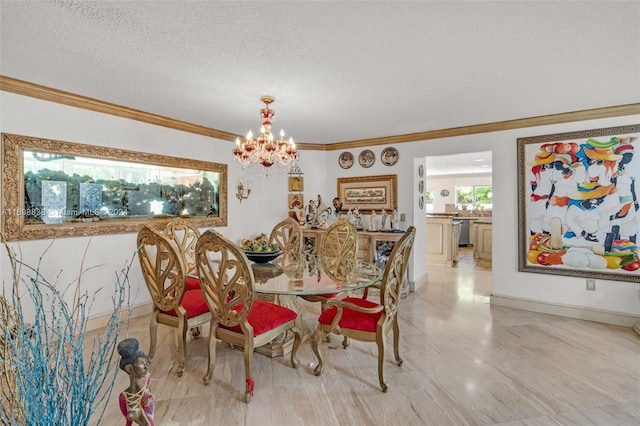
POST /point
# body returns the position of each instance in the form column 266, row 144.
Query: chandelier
column 261, row 154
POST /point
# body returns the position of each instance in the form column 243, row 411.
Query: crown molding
column 543, row 120
column 25, row 88
column 33, row 90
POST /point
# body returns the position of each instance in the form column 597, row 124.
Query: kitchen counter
column 443, row 233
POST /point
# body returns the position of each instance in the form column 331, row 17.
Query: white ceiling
column 467, row 163
column 339, row 71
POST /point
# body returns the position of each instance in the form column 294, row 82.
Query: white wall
column 615, row 296
column 267, row 204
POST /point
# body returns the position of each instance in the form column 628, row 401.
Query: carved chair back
column 287, row 234
column 338, row 247
column 162, row 269
column 185, row 236
column 394, row 273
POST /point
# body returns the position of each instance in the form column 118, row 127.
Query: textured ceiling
column 339, row 71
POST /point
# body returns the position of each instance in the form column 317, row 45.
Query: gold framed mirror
column 54, row 189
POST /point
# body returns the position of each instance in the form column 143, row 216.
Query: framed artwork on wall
column 578, row 203
column 368, row 192
column 296, row 201
column 296, row 184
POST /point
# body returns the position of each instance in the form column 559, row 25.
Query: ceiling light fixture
column 261, row 154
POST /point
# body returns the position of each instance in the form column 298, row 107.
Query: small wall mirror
column 58, row 189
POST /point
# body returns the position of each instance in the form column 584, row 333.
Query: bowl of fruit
column 260, row 250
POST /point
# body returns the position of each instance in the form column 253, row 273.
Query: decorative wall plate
column 421, row 170
column 444, row 192
column 367, row 158
column 345, row 160
column 421, row 203
column 420, row 187
column 389, row 156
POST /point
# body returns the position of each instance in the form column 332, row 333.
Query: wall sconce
column 240, row 195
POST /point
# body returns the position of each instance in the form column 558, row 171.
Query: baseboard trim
column 583, row 313
column 419, row 282
column 101, row 321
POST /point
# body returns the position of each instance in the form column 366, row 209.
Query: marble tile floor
column 465, row 363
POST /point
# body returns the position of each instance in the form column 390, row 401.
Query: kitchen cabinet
column 483, row 246
column 442, row 240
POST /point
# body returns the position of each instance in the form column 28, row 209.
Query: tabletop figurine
column 337, row 205
column 372, row 221
column 136, row 402
column 384, row 215
column 357, row 218
column 394, row 219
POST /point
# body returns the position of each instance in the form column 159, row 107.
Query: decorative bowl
column 262, row 256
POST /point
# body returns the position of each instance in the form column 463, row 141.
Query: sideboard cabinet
column 372, row 246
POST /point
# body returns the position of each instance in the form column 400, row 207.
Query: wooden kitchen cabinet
column 483, row 247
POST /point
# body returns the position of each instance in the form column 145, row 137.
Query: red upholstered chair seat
column 353, row 319
column 193, row 283
column 264, row 316
column 193, row 302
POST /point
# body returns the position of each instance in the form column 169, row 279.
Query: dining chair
column 337, row 251
column 238, row 317
column 287, row 235
column 174, row 304
column 185, row 235
column 365, row 320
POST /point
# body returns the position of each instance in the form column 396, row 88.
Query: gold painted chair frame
column 390, row 289
column 228, row 282
column 165, row 276
column 287, row 234
column 185, row 235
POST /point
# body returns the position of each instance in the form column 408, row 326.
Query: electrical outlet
column 591, row 285
column 403, row 217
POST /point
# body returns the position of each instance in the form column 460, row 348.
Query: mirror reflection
column 57, row 189
column 63, row 188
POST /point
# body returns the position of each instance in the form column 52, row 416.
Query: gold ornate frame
column 15, row 227
column 369, row 192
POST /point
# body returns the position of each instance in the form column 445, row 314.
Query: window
column 479, row 197
column 428, row 200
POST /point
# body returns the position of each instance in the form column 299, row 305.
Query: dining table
column 286, row 279
column 305, row 275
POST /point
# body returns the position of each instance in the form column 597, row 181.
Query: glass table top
column 306, row 276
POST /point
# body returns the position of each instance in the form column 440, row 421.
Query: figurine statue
column 394, row 219
column 357, row 218
column 136, row 402
column 372, row 221
column 350, row 216
column 312, row 213
column 318, row 213
column 337, row 205
column 384, row 215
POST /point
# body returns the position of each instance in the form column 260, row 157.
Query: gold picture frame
column 369, row 192
column 296, row 200
column 296, row 184
column 53, row 189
